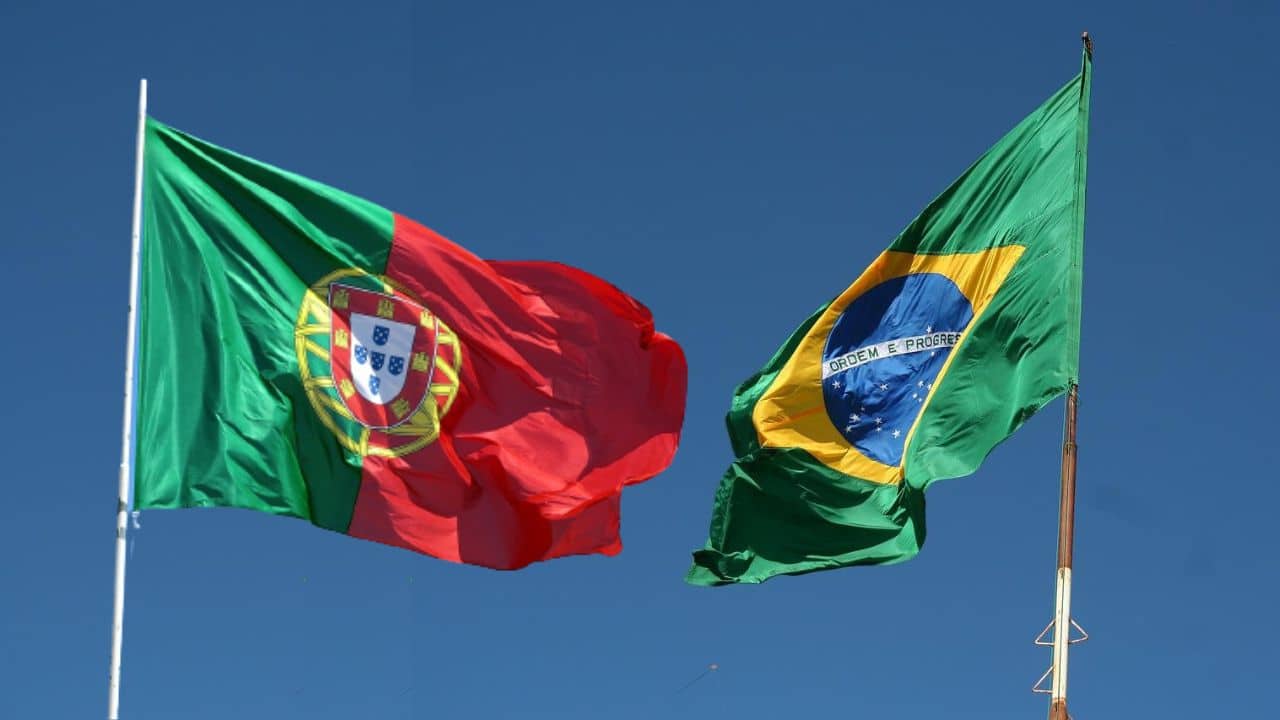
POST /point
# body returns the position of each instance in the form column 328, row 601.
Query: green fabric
column 789, row 514
column 781, row 511
column 1024, row 351
column 229, row 247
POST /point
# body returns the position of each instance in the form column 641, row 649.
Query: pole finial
column 1088, row 42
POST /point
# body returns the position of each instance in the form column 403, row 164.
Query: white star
column 929, row 329
column 929, row 385
column 896, row 433
column 855, row 417
column 879, row 421
column 915, row 396
column 879, row 429
column 932, row 353
column 835, row 383
column 884, row 386
column 920, row 383
column 919, row 399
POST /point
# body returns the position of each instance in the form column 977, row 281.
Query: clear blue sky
column 733, row 165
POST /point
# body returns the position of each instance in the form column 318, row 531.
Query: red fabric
column 567, row 394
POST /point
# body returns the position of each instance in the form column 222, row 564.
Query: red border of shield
column 420, row 365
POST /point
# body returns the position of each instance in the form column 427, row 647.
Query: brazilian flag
column 953, row 337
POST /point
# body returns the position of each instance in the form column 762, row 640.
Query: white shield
column 380, row 351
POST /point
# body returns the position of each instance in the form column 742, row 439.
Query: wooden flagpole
column 1062, row 623
column 1066, row 542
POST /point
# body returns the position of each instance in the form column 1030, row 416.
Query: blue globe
column 883, row 356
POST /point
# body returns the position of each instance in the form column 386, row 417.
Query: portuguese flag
column 304, row 352
column 966, row 326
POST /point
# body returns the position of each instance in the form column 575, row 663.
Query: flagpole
column 126, row 436
column 1062, row 623
column 1066, row 541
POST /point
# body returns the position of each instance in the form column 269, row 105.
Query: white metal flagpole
column 126, row 439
